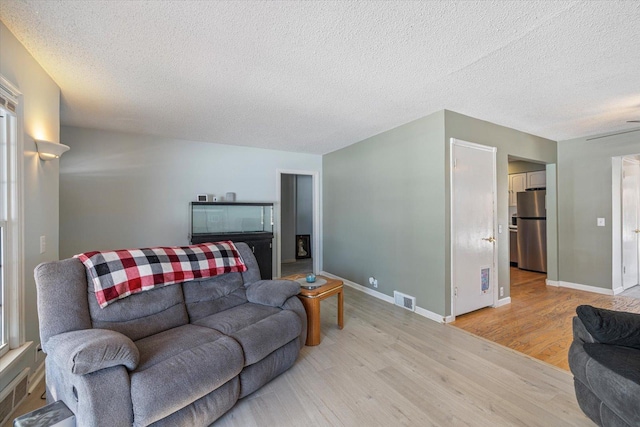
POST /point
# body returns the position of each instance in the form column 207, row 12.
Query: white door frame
column 315, row 185
column 459, row 142
column 617, row 285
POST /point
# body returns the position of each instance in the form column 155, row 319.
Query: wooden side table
column 311, row 298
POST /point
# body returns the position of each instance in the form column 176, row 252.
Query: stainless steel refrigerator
column 532, row 230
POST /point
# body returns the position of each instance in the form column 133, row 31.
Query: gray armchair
column 605, row 360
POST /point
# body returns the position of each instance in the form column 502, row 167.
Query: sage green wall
column 383, row 212
column 386, row 204
column 584, row 194
column 509, row 142
column 40, row 108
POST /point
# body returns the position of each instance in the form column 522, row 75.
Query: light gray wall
column 40, row 106
column 288, row 212
column 304, row 205
column 121, row 190
column 509, row 142
column 584, row 194
column 384, row 211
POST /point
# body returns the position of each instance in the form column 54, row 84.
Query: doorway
column 630, row 221
column 297, row 223
column 473, row 225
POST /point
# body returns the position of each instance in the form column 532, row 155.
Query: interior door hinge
column 455, row 292
column 455, row 163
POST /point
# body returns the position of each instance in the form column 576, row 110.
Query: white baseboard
column 36, row 377
column 449, row 319
column 287, row 261
column 419, row 310
column 503, row 301
column 580, row 287
column 619, row 290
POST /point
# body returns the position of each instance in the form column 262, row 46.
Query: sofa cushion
column 611, row 327
column 207, row 409
column 272, row 292
column 258, row 328
column 612, row 376
column 141, row 315
column 178, row 367
column 624, row 361
column 210, row 296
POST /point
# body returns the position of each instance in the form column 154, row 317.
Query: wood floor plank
column 389, row 366
column 538, row 320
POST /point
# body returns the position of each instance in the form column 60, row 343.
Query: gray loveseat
column 605, row 360
column 179, row 355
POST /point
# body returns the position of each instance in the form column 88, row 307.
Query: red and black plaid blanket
column 118, row 274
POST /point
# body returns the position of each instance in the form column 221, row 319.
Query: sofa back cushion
column 141, row 315
column 62, row 298
column 210, row 296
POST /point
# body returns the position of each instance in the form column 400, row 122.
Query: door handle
column 489, row 239
column 637, row 230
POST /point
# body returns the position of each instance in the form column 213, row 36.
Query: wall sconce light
column 50, row 150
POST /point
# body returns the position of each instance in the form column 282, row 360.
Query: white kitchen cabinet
column 517, row 182
column 537, row 179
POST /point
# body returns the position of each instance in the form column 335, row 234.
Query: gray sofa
column 179, row 355
column 604, row 358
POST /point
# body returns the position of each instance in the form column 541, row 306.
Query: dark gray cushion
column 89, row 350
column 272, row 292
column 611, row 327
column 620, row 394
column 624, row 361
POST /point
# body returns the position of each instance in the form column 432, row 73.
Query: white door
column 630, row 222
column 473, row 213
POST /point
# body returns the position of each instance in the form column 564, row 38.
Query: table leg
column 312, row 307
column 340, row 309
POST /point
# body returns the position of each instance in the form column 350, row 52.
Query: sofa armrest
column 90, row 350
column 610, row 327
column 580, row 333
column 272, row 292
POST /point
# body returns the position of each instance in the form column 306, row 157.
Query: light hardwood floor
column 391, row 367
column 538, row 320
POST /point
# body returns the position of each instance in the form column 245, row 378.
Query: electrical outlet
column 501, row 291
column 375, row 283
column 600, row 222
column 38, row 352
column 43, row 244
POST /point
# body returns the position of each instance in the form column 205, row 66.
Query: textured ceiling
column 317, row 76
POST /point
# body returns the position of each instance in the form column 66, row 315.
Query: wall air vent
column 404, row 300
column 13, row 395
